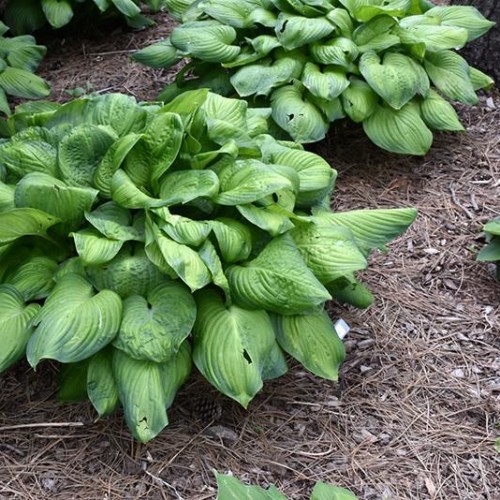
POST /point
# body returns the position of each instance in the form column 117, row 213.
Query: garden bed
column 417, row 412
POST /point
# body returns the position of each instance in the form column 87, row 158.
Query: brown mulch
column 418, row 411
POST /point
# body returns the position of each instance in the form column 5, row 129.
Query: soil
column 417, row 412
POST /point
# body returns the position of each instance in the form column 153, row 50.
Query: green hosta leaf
column 326, row 83
column 127, row 7
column 277, row 280
column 114, row 222
column 210, row 257
column 328, row 251
column 377, row 34
column 267, row 218
column 449, row 72
column 72, row 381
column 74, row 324
column 435, row 37
column 125, row 193
column 119, row 111
column 6, row 197
column 22, row 157
column 154, row 327
column 315, row 174
column 183, row 260
column 93, row 248
column 33, row 278
column 359, row 101
column 81, row 151
column 396, row 78
column 183, row 230
column 176, row 8
column 323, row 491
column 186, row 185
column 338, row 51
column 21, row 83
column 480, row 80
column 438, row 114
column 176, row 372
column 364, row 10
column 467, row 17
column 207, row 40
column 101, row 386
column 231, row 346
column 233, row 238
column 261, row 78
column 350, row 291
column 187, row 103
column 58, row 12
column 20, row 222
column 158, row 55
column 229, row 488
column 142, row 393
column 372, row 228
column 127, row 274
column 299, row 117
column 258, row 48
column 342, row 20
column 312, row 340
column 296, row 31
column 399, row 131
column 493, row 227
column 22, row 52
column 248, row 181
column 16, row 325
column 67, row 203
column 239, row 13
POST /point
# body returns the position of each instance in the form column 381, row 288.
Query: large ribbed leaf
column 268, row 218
column 101, row 386
column 183, row 260
column 277, row 280
column 186, row 185
column 176, row 372
column 182, row 229
column 372, row 228
column 377, row 34
column 81, row 150
column 339, row 51
column 295, row 114
column 20, row 222
column 239, row 13
column 329, row 252
column 248, row 181
column 127, row 7
column 449, row 72
column 210, row 257
column 434, row 37
column 119, row 111
column 261, row 78
column 16, row 325
column 21, row 83
column 210, row 41
column 364, row 10
column 127, row 274
column 231, row 346
column 158, row 55
column 67, row 203
column 6, row 197
column 22, row 156
column 229, row 488
column 74, row 323
column 326, row 83
column 439, row 114
column 297, row 31
column 348, row 290
column 400, row 131
column 153, row 327
column 233, row 238
column 359, row 101
column 312, row 340
column 58, row 12
column 396, row 78
column 94, row 248
column 467, row 17
column 33, row 278
column 114, row 222
column 315, row 174
column 342, row 20
column 142, row 393
column 126, row 194
column 176, row 8
column 22, row 52
column 480, row 80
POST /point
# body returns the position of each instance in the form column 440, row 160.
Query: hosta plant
column 136, row 239
column 388, row 64
column 491, row 252
column 229, row 488
column 19, row 58
column 26, row 16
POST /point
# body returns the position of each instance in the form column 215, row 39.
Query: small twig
column 164, row 483
column 112, row 52
column 458, row 204
column 53, row 424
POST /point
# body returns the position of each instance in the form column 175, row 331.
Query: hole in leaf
column 291, row 116
column 247, row 357
column 275, row 198
column 284, row 26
